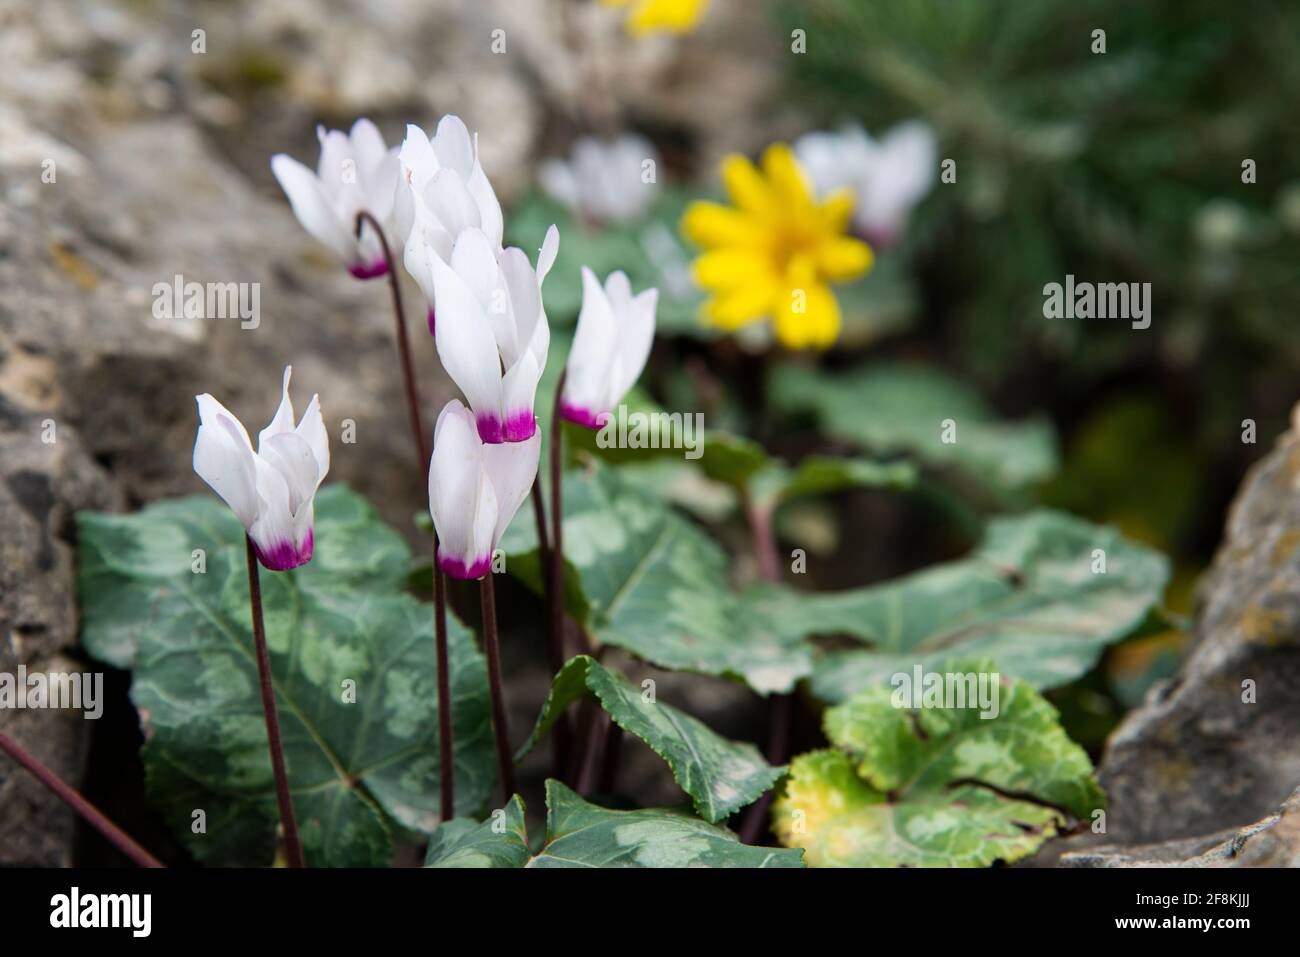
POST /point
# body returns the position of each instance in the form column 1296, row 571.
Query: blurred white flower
column 603, row 181
column 271, row 491
column 610, row 348
column 444, row 191
column 356, row 172
column 475, row 490
column 492, row 334
column 887, row 176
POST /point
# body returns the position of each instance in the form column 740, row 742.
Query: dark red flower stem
column 492, row 647
column 446, row 744
column 288, row 822
column 781, row 709
column 73, row 799
column 562, row 741
column 403, row 344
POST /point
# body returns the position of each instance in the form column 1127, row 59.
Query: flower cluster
column 490, row 329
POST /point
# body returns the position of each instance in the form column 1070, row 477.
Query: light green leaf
column 359, row 770
column 721, row 776
column 579, row 834
column 586, row 835
column 903, row 409
column 937, row 786
column 656, row 585
column 1031, row 597
column 500, row 841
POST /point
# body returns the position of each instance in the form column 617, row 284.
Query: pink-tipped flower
column 610, row 348
column 356, row 172
column 475, row 490
column 491, row 333
column 271, row 491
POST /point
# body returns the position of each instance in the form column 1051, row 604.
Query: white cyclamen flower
column 444, row 191
column 491, row 333
column 888, row 176
column 356, row 172
column 610, row 348
column 603, row 181
column 475, row 490
column 271, row 491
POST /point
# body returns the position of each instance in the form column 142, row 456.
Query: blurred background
column 1127, row 165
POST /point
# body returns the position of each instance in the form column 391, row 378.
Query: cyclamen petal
column 475, row 490
column 610, row 348
column 603, row 181
column 443, row 190
column 491, row 329
column 271, row 490
column 355, row 172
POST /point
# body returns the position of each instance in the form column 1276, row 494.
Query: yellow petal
column 785, row 176
column 712, row 224
column 808, row 317
column 675, row 16
column 729, row 267
column 745, row 186
column 835, row 210
column 732, row 309
column 841, row 258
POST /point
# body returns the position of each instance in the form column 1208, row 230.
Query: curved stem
column 403, row 344
column 292, row 847
column 73, row 799
column 491, row 647
column 446, row 744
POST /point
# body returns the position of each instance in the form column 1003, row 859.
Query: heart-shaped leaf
column 721, row 776
column 165, row 593
column 1043, row 595
column 948, row 783
column 656, row 585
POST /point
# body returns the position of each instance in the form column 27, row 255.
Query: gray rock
column 41, row 484
column 1200, row 756
column 1272, row 842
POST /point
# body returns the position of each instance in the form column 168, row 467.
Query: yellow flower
column 775, row 252
column 647, row 16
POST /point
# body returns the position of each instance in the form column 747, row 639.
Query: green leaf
column 359, row 771
column 580, row 834
column 936, row 786
column 721, row 776
column 500, row 841
column 824, row 474
column 1028, row 597
column 903, row 408
column 656, row 585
